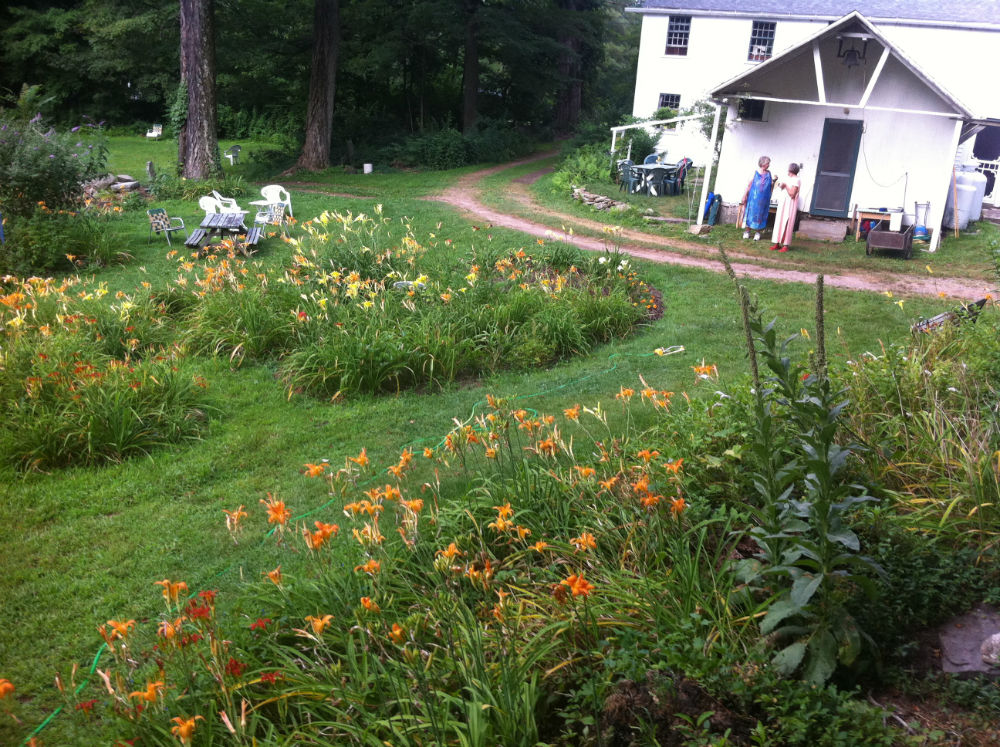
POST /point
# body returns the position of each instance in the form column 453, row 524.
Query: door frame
column 859, row 123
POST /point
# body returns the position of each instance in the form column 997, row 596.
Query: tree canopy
column 401, row 65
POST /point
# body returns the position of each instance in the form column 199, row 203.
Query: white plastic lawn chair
column 210, row 205
column 155, row 131
column 273, row 194
column 227, row 204
column 233, row 154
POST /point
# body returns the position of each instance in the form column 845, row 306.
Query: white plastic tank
column 976, row 179
column 966, row 193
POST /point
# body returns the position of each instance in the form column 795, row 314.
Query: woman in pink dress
column 788, row 208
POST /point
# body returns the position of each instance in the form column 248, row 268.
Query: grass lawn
column 85, row 545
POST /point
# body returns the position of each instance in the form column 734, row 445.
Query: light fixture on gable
column 848, row 48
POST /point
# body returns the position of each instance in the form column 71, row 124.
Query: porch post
column 938, row 219
column 708, row 166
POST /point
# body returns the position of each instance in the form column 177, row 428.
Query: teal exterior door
column 838, row 159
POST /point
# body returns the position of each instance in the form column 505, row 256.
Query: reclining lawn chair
column 160, row 222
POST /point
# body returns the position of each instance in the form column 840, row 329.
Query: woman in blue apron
column 757, row 200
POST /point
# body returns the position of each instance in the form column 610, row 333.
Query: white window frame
column 678, row 36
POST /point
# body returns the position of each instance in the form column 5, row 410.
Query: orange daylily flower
column 677, row 506
column 501, row 524
column 704, row 371
column 6, row 688
column 504, row 511
column 609, row 483
column 625, row 394
column 119, row 629
column 578, row 585
column 522, row 532
column 491, row 453
column 415, row 505
column 318, row 623
column 674, row 466
column 171, row 589
column 184, row 728
column 428, row 452
column 276, row 511
column 646, row 455
column 315, row 470
column 361, row 459
column 151, row 692
column 585, row 541
column 398, row 634
column 548, row 447
column 371, row 567
column 275, row 576
column 369, row 605
column 451, row 552
column 585, row 472
column 572, row 413
column 327, row 530
column 540, row 546
column 650, row 501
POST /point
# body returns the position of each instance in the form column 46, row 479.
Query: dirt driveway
column 465, row 196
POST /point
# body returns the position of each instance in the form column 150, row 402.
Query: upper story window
column 670, row 101
column 761, row 41
column 677, row 35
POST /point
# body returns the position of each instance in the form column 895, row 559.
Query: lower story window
column 751, row 110
column 670, row 100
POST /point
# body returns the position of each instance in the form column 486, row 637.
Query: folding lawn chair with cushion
column 155, row 131
column 160, row 222
column 274, row 215
column 274, row 193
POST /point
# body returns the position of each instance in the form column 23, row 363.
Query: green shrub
column 42, row 167
column 587, row 167
column 47, row 242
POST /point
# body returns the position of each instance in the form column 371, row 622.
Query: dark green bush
column 48, row 242
column 42, row 167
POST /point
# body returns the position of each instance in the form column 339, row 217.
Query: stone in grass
column 991, row 650
column 962, row 642
column 701, row 230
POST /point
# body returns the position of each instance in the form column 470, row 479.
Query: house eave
column 729, row 87
column 772, row 16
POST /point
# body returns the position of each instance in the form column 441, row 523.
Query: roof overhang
column 680, row 10
column 741, row 86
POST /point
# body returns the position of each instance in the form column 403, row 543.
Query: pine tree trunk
column 315, row 154
column 198, row 143
column 470, row 71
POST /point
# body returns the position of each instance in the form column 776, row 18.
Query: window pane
column 677, row 35
column 761, row 41
column 670, row 100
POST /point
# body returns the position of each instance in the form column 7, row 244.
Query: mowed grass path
column 82, row 546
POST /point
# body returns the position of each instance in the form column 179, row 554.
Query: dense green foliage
column 400, row 69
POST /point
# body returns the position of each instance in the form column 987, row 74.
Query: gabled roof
column 979, row 13
column 744, row 81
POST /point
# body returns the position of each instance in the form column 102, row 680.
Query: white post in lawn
column 708, row 166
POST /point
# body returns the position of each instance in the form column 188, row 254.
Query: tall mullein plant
column 808, row 550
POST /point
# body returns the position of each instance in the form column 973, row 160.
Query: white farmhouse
column 888, row 91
